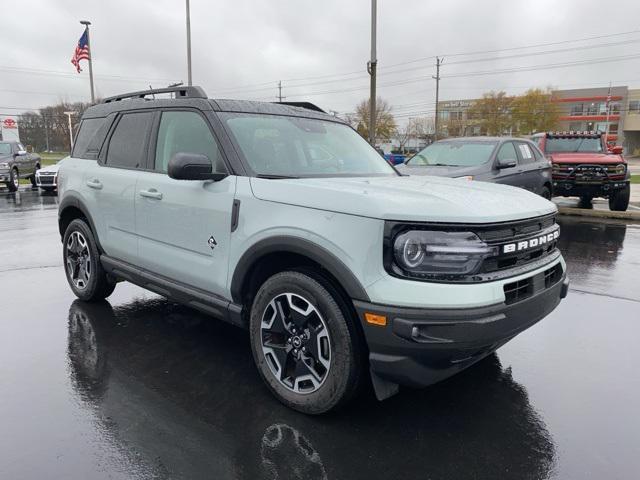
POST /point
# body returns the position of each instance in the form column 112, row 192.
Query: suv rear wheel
column 85, row 274
column 304, row 343
column 619, row 201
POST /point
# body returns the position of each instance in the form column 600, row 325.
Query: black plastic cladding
column 492, row 233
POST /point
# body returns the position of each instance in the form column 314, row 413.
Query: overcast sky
column 319, row 49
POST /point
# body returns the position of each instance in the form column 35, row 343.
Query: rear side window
column 507, row 152
column 185, row 132
column 128, row 144
column 526, row 155
column 88, row 129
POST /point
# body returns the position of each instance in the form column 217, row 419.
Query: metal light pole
column 86, row 24
column 437, row 79
column 68, row 114
column 371, row 68
column 189, row 79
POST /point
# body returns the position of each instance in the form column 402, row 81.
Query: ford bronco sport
column 283, row 220
column 583, row 166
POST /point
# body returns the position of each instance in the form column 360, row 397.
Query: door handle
column 151, row 193
column 94, row 183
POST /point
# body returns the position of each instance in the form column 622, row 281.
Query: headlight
column 621, row 169
column 4, row 165
column 429, row 253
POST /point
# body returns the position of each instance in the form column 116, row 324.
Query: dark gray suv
column 510, row 161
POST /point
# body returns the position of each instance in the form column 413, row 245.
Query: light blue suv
column 281, row 219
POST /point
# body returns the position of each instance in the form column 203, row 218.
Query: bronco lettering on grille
column 530, row 243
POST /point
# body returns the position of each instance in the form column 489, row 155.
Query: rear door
column 508, row 176
column 110, row 184
column 184, row 226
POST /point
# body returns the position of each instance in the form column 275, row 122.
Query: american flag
column 82, row 51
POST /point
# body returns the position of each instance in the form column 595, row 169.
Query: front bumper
column 46, row 181
column 570, row 188
column 419, row 347
column 5, row 176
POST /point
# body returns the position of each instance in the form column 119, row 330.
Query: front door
column 184, row 226
column 511, row 175
column 531, row 178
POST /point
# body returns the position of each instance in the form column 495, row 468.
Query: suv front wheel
column 619, row 201
column 85, row 274
column 304, row 343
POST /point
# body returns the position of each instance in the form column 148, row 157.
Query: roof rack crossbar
column 180, row 92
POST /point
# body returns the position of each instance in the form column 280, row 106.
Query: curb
column 583, row 212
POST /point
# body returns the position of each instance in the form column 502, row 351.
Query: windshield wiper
column 274, row 177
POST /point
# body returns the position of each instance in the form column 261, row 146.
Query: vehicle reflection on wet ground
column 139, row 387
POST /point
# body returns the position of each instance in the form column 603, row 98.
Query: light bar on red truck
column 579, row 133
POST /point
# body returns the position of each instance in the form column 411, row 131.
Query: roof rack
column 307, row 105
column 180, row 92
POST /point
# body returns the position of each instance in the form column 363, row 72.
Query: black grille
column 552, row 275
column 522, row 289
column 516, row 291
column 47, row 179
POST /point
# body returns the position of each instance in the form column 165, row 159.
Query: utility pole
column 280, row 97
column 437, row 79
column 189, row 79
column 46, row 131
column 371, row 69
column 68, row 114
column 86, row 24
column 606, row 132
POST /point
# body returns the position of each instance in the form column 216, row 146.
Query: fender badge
column 212, row 242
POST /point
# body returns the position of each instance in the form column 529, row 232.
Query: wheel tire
column 342, row 376
column 33, row 177
column 97, row 285
column 545, row 192
column 14, row 180
column 619, row 201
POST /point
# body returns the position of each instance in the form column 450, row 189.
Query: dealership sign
column 9, row 128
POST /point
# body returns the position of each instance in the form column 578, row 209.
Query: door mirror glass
column 505, row 163
column 192, row 166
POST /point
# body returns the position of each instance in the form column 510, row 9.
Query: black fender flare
column 73, row 200
column 300, row 246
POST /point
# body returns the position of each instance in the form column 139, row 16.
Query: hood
column 6, row 158
column 51, row 168
column 577, row 158
column 418, row 199
column 438, row 171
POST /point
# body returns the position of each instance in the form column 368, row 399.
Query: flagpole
column 86, row 23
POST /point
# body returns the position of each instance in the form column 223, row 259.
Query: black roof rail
column 180, row 92
column 307, row 105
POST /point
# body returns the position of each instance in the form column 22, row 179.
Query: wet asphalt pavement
column 142, row 388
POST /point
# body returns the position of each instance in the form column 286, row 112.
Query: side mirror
column 505, row 163
column 616, row 149
column 21, row 152
column 192, row 166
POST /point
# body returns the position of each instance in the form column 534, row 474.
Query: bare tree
column 384, row 121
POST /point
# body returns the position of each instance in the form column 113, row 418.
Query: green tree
column 493, row 113
column 384, row 122
column 535, row 112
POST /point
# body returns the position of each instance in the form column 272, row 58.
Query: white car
column 47, row 177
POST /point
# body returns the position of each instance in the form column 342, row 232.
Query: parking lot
column 142, row 388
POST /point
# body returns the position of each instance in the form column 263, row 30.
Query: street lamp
column 68, row 114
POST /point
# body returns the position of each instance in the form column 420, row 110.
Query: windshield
column 572, row 145
column 282, row 146
column 5, row 148
column 454, row 154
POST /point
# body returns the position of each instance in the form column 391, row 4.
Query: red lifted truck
column 583, row 166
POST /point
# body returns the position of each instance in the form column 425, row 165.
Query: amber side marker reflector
column 374, row 319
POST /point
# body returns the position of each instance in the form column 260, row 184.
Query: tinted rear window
column 128, row 143
column 88, row 129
